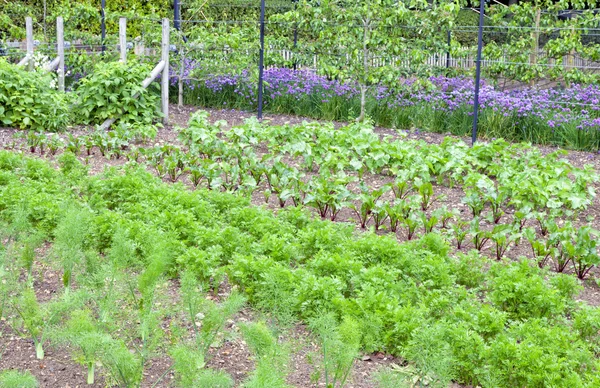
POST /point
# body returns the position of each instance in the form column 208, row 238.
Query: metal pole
column 477, row 73
column 176, row 15
column 295, row 37
column 103, row 24
column 261, row 59
column 449, row 46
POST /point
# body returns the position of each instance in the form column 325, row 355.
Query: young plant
column 380, row 214
column 328, row 193
column 480, row 236
column 271, row 357
column 445, row 215
column 191, row 371
column 35, row 319
column 70, row 240
column 426, row 194
column 428, row 222
column 17, row 379
column 585, row 252
column 82, row 333
column 122, row 367
column 521, row 216
column 411, row 223
column 207, row 318
column 502, row 236
column 340, row 344
column 149, row 332
column 73, row 144
column 540, row 248
column 460, row 231
column 367, row 203
column 474, row 201
column 402, row 186
column 55, row 143
column 35, row 140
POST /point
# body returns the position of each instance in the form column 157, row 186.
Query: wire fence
column 218, row 54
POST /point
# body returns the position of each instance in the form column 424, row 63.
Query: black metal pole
column 449, row 46
column 477, row 73
column 103, row 24
column 295, row 37
column 261, row 59
column 176, row 15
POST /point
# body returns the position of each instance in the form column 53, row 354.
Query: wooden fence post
column 29, row 32
column 164, row 82
column 123, row 39
column 60, row 42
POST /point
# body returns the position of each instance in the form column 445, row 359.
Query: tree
column 370, row 42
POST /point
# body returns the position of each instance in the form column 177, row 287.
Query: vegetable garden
column 293, row 253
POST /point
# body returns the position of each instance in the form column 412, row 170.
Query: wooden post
column 29, row 32
column 60, row 42
column 164, row 82
column 123, row 39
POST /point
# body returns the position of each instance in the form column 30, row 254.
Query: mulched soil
column 233, row 356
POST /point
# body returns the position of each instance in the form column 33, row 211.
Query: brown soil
column 233, row 356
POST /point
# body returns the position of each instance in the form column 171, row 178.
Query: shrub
column 29, row 101
column 109, row 92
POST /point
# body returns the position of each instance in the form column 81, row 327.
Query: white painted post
column 164, row 82
column 60, row 48
column 123, row 39
column 29, row 32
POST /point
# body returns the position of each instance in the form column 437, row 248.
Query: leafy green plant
column 480, row 236
column 36, row 319
column 123, row 368
column 28, row 101
column 541, row 249
column 70, row 239
column 114, row 90
column 207, row 318
column 502, row 236
column 55, row 143
column 432, row 357
column 426, row 194
column 328, row 193
column 428, row 223
column 270, row 355
column 17, row 379
column 520, row 290
column 411, row 223
column 191, row 371
column 339, row 344
column 367, row 203
column 90, row 343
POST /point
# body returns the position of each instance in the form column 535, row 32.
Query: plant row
column 116, row 238
column 525, row 200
